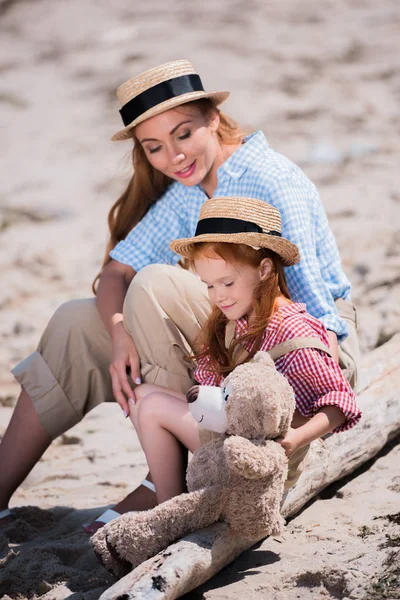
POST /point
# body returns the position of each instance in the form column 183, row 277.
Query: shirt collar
column 253, row 146
column 238, row 162
column 241, row 326
column 287, row 310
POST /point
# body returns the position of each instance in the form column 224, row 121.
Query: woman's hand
column 124, row 357
column 113, row 285
column 291, row 442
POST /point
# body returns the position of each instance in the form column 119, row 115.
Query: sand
column 322, row 80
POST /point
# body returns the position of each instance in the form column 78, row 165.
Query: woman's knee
column 75, row 325
column 152, row 280
column 152, row 273
column 76, row 313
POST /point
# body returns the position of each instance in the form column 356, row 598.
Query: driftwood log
column 196, row 558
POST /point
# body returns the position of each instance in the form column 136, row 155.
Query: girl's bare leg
column 24, row 442
column 164, row 424
column 141, row 498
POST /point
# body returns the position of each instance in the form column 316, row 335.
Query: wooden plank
column 196, row 558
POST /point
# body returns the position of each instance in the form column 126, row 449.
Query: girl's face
column 231, row 285
column 182, row 143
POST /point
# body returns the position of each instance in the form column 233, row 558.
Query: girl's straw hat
column 240, row 221
column 158, row 90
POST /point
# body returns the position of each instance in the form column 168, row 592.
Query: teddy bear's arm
column 254, row 459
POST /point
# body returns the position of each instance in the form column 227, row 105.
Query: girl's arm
column 333, row 344
column 113, row 285
column 323, row 395
column 325, row 421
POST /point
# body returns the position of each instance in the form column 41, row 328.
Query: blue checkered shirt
column 256, row 171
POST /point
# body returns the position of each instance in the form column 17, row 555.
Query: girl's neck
column 279, row 303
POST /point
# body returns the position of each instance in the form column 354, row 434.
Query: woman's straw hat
column 158, row 90
column 240, row 221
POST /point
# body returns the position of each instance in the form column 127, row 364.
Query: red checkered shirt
column 315, row 377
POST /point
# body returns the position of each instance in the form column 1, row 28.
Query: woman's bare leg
column 24, row 442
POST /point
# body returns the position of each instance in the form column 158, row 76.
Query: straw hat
column 158, row 90
column 240, row 221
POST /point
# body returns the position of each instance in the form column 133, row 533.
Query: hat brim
column 217, row 97
column 288, row 252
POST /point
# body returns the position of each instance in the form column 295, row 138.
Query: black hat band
column 166, row 90
column 225, row 225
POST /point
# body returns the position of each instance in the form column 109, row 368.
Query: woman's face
column 182, row 143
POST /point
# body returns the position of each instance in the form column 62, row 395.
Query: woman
column 147, row 314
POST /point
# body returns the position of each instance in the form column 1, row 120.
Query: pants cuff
column 55, row 413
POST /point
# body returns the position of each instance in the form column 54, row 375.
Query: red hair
column 211, row 341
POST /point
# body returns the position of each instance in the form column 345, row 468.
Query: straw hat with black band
column 158, row 90
column 240, row 221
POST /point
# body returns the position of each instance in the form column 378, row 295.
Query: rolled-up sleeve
column 148, row 242
column 317, row 381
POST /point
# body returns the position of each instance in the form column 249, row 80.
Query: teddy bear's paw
column 279, row 526
column 105, row 557
column 126, row 539
column 119, row 564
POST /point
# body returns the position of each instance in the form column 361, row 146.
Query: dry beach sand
column 322, row 79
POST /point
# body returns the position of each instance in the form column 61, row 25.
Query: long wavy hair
column 211, row 341
column 147, row 184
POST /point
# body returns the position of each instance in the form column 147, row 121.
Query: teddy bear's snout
column 192, row 394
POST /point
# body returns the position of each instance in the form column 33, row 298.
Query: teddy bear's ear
column 263, row 358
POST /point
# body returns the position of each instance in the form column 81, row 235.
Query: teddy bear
column 237, row 477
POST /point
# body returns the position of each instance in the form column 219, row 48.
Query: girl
column 239, row 254
column 147, row 314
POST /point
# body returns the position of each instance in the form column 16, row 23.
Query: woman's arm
column 304, row 223
column 113, row 285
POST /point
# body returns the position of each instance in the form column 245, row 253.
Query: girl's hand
column 124, row 356
column 291, row 442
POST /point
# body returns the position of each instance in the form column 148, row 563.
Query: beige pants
column 68, row 374
column 349, row 352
